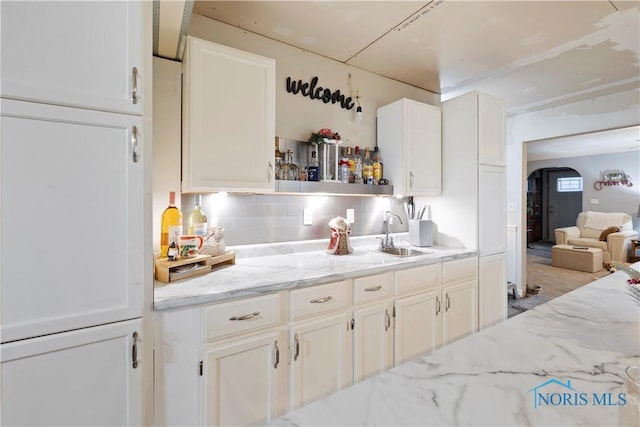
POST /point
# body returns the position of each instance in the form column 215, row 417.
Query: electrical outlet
column 306, row 217
column 595, row 201
column 351, row 216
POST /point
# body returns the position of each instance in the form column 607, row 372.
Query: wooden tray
column 170, row 271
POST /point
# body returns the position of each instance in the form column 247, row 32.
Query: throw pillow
column 607, row 231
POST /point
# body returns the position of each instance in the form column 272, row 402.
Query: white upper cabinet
column 410, row 139
column 491, row 131
column 85, row 54
column 228, row 119
column 71, row 191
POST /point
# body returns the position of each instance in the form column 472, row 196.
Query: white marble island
column 561, row 363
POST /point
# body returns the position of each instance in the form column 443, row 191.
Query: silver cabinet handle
column 448, row 302
column 321, row 300
column 410, row 179
column 373, row 288
column 269, row 172
column 134, row 85
column 437, row 306
column 134, row 144
column 246, row 316
column 275, row 344
column 134, row 351
column 388, row 320
column 296, row 346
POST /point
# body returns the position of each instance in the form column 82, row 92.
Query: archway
column 554, row 199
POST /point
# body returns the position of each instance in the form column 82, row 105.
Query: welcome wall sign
column 313, row 91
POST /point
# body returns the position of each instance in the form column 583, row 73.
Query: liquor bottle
column 352, row 165
column 343, row 171
column 357, row 169
column 377, row 165
column 290, row 169
column 170, row 225
column 367, row 167
column 313, row 169
column 197, row 225
column 278, row 161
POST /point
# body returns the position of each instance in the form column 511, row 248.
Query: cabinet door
column 372, row 340
column 244, row 380
column 460, row 310
column 423, row 151
column 79, row 54
column 228, row 119
column 320, row 358
column 492, row 210
column 492, row 143
column 71, row 193
column 84, row 377
column 417, row 325
column 492, row 290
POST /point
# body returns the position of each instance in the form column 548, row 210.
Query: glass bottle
column 170, row 225
column 377, row 165
column 357, row 169
column 343, row 170
column 278, row 161
column 367, row 167
column 313, row 169
column 352, row 165
column 290, row 169
column 197, row 225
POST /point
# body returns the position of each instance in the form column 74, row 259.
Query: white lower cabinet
column 436, row 312
column 320, row 358
column 247, row 373
column 492, row 294
column 83, row 377
column 418, row 328
column 260, row 357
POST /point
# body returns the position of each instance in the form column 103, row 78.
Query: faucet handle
column 381, row 242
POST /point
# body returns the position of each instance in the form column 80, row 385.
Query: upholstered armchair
column 598, row 230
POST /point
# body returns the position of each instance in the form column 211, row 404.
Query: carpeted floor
column 555, row 281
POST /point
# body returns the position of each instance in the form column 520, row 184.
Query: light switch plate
column 306, row 217
column 595, row 201
column 351, row 216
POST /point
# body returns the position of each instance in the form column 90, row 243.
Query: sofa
column 598, row 230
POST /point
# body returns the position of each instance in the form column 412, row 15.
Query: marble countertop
column 268, row 268
column 575, row 347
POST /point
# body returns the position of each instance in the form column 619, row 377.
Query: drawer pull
column 437, row 306
column 448, row 306
column 373, row 288
column 388, row 320
column 321, row 300
column 246, row 316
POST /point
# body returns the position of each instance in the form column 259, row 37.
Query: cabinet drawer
column 320, row 299
column 241, row 316
column 458, row 270
column 417, row 279
column 371, row 288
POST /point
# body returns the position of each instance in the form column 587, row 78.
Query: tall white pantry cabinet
column 472, row 209
column 73, row 213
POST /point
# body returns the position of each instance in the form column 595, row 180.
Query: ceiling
column 533, row 54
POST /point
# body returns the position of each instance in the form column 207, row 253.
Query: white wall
column 616, row 198
column 606, row 112
column 298, row 116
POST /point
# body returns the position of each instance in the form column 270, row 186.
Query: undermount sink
column 403, row 251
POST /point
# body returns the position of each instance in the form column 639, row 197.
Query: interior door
column 563, row 206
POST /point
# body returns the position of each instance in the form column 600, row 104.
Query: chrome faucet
column 387, row 242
